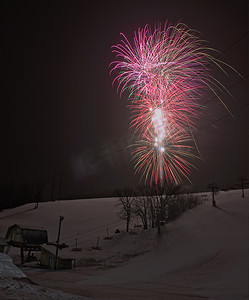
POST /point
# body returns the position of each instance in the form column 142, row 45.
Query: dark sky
column 60, row 112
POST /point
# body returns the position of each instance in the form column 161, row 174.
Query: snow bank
column 20, row 289
column 8, row 269
column 14, row 284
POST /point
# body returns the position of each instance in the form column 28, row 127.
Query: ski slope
column 202, row 255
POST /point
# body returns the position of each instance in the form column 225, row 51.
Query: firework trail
column 166, row 71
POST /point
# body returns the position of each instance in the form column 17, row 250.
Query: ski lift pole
column 57, row 242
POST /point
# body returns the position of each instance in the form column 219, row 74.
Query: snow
column 202, row 255
column 8, row 269
column 19, row 289
column 14, row 283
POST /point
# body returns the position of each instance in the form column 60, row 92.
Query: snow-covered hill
column 202, row 255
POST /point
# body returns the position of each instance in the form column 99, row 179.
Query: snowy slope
column 202, row 255
column 207, row 250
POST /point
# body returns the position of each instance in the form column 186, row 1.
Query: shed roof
column 28, row 227
column 26, row 234
column 52, row 249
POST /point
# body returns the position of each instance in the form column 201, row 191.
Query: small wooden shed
column 48, row 254
column 23, row 235
column 3, row 244
column 27, row 238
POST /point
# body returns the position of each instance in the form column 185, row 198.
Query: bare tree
column 140, row 209
column 164, row 203
column 125, row 200
column 152, row 210
column 154, row 206
column 38, row 190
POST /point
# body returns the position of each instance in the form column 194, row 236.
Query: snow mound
column 14, row 289
column 8, row 269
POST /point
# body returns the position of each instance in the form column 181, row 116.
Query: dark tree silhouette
column 140, row 209
column 125, row 200
column 38, row 191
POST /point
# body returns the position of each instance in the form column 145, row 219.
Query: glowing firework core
column 158, row 124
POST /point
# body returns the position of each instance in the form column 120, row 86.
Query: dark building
column 48, row 255
column 28, row 238
column 28, row 235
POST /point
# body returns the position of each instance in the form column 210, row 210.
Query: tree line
column 154, row 206
column 17, row 194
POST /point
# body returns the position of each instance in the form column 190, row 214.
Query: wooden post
column 22, row 255
column 213, row 201
column 61, row 175
column 242, row 179
column 53, row 185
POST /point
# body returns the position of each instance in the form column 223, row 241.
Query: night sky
column 60, row 112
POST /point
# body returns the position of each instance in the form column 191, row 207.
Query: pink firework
column 166, row 72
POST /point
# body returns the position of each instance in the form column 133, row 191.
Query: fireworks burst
column 166, row 72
